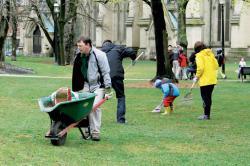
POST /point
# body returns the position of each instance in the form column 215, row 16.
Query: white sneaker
column 157, row 110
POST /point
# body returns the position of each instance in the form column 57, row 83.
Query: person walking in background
column 176, row 64
column 220, row 61
column 206, row 74
column 242, row 63
column 191, row 70
column 116, row 54
column 91, row 74
column 183, row 61
column 170, row 54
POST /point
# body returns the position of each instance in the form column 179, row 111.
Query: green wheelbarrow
column 68, row 114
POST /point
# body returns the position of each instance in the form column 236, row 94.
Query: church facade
column 130, row 23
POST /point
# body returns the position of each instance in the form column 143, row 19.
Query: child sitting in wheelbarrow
column 170, row 92
column 61, row 95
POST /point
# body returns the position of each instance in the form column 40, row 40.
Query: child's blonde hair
column 63, row 94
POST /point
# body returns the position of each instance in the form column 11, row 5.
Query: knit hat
column 157, row 83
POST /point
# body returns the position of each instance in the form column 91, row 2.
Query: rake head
column 188, row 96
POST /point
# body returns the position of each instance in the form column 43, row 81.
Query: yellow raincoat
column 207, row 67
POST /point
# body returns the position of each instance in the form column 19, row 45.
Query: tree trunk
column 61, row 24
column 69, row 49
column 182, row 34
column 3, row 33
column 168, row 66
column 4, row 22
column 56, row 40
column 61, row 62
column 14, row 35
column 161, row 41
column 69, row 46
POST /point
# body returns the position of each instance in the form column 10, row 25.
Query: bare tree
column 14, row 23
column 67, row 10
column 69, row 46
column 164, row 67
column 182, row 34
column 4, row 22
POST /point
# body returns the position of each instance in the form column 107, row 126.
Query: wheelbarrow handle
column 100, row 103
column 64, row 131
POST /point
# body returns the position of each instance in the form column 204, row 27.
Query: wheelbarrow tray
column 66, row 115
column 75, row 110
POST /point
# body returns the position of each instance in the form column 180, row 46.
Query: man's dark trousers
column 118, row 86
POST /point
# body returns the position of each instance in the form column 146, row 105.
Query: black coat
column 115, row 55
column 77, row 76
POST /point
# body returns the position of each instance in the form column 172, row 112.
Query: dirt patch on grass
column 147, row 84
column 7, row 68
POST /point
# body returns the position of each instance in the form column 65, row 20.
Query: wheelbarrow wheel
column 57, row 128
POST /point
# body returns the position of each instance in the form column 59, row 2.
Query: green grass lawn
column 147, row 139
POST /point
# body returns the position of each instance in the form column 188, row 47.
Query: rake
column 134, row 61
column 188, row 96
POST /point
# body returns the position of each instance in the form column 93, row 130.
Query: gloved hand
column 133, row 62
column 195, row 79
column 108, row 92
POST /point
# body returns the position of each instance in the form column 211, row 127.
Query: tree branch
column 147, row 2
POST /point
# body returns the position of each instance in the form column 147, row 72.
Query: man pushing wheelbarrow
column 90, row 76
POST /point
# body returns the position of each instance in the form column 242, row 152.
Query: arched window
column 226, row 21
column 116, row 23
column 37, row 41
column 119, row 22
column 87, row 23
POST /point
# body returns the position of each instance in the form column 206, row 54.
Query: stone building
column 31, row 39
column 130, row 23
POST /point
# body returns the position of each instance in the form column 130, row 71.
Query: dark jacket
column 192, row 61
column 115, row 54
column 77, row 76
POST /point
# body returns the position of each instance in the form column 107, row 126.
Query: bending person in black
column 115, row 54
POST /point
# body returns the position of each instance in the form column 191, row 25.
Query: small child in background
column 170, row 92
column 183, row 65
column 242, row 63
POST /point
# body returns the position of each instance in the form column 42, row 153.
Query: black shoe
column 122, row 122
column 95, row 137
column 203, row 117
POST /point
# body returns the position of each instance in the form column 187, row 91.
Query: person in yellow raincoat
column 206, row 75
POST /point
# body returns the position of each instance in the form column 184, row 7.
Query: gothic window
column 19, row 2
column 226, row 21
column 86, row 19
column 119, row 26
column 116, row 22
column 37, row 41
column 95, row 16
